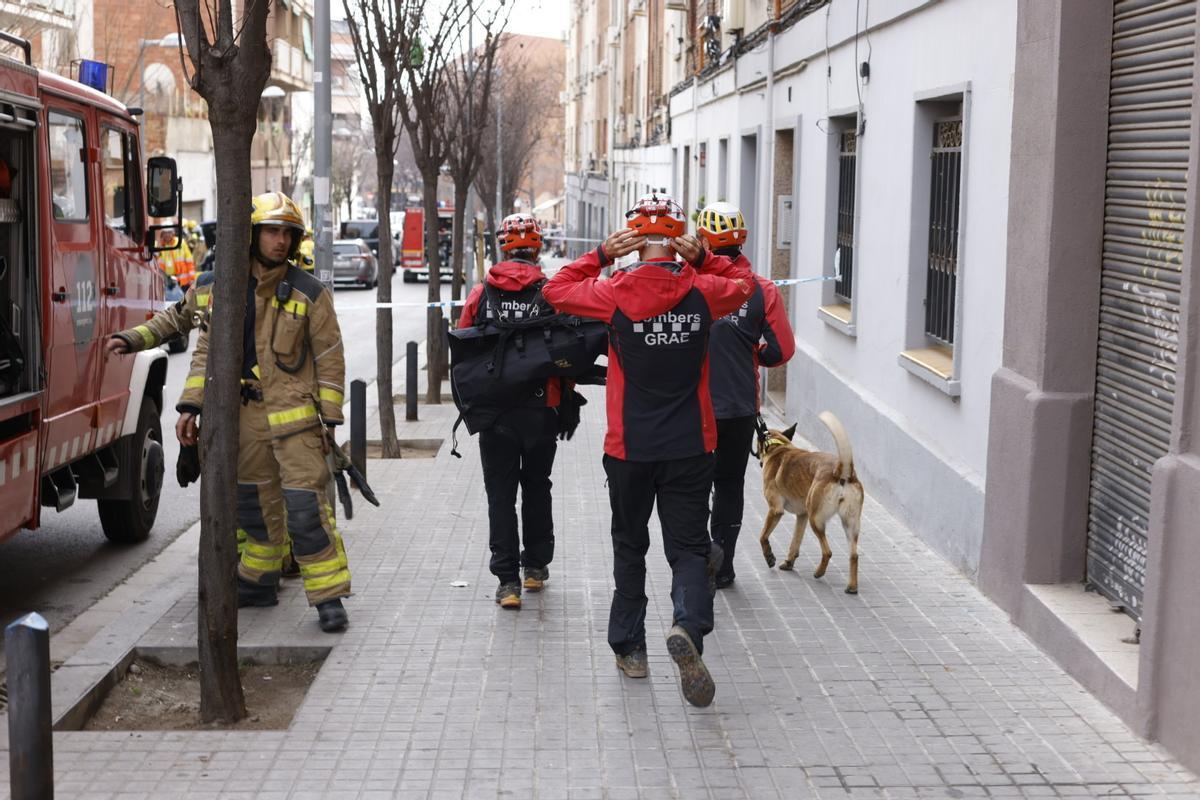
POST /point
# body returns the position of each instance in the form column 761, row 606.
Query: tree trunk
column 221, row 698
column 435, row 346
column 383, row 316
column 462, row 189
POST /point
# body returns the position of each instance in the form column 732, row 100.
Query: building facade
column 60, row 31
column 993, row 201
column 1093, row 479
column 587, row 112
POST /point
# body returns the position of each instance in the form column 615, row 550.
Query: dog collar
column 773, row 441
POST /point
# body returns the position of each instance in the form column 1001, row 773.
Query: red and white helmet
column 657, row 216
column 519, row 232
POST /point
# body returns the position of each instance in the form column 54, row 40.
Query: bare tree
column 377, row 29
column 470, row 85
column 230, row 65
column 434, row 42
column 521, row 131
column 351, row 161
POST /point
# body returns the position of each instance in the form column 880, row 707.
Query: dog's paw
column 851, row 590
column 788, row 565
column 770, row 557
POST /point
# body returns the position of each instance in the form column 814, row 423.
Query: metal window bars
column 847, row 165
column 941, row 273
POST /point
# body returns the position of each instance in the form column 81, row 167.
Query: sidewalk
column 915, row 688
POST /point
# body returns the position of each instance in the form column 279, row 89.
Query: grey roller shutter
column 1150, row 106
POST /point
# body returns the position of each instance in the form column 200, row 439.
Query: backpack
column 503, row 360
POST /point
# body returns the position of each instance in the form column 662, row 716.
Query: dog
column 814, row 486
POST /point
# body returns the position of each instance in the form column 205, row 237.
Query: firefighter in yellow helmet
column 307, row 245
column 293, row 373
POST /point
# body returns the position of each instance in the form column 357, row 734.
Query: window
column 68, row 170
column 847, row 170
column 941, row 272
column 113, row 160
column 723, row 169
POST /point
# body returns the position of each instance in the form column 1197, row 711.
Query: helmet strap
column 732, row 251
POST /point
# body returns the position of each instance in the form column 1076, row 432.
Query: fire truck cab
column 76, row 265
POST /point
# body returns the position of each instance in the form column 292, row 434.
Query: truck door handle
column 60, row 296
column 111, row 289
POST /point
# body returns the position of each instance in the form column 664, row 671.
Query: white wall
column 916, row 47
column 189, row 140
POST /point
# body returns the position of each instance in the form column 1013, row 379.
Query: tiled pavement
column 915, row 688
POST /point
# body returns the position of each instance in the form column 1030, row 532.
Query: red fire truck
column 412, row 243
column 75, row 265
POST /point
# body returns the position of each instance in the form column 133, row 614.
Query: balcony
column 290, row 69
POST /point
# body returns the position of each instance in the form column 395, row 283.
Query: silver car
column 354, row 264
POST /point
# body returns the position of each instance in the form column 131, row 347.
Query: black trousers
column 681, row 489
column 734, row 438
column 518, row 451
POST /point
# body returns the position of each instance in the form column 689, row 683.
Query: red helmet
column 519, row 232
column 657, row 215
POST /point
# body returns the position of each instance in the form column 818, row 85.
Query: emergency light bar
column 95, row 74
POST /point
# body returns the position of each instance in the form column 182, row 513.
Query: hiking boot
column 634, row 663
column 252, row 595
column 509, row 595
column 331, row 615
column 716, row 557
column 535, row 578
column 697, row 685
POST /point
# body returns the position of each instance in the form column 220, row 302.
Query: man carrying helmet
column 293, row 373
column 757, row 334
column 518, row 449
column 661, row 431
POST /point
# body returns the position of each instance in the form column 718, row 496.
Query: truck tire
column 410, row 276
column 129, row 521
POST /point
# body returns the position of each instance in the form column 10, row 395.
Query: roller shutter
column 1150, row 105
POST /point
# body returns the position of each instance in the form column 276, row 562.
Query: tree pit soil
column 161, row 697
column 407, row 449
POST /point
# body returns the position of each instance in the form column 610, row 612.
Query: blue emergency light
column 94, row 74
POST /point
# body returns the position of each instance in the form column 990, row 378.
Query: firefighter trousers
column 734, row 438
column 282, row 492
column 680, row 489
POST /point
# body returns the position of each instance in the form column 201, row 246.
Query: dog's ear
column 789, row 433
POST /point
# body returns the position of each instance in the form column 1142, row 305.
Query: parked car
column 368, row 231
column 354, row 264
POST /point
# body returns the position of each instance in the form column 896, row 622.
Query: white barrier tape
column 453, row 303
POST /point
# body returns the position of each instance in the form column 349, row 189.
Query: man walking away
column 757, row 334
column 661, row 430
column 518, row 449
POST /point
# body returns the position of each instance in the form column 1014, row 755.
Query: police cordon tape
column 455, row 303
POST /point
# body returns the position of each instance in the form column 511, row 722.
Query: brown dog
column 814, row 486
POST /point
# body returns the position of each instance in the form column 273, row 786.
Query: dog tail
column 845, row 454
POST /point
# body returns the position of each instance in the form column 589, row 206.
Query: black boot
column 253, row 594
column 332, row 616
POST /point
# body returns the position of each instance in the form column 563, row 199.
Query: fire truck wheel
column 410, row 276
column 129, row 521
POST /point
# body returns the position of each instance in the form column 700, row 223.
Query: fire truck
column 76, row 265
column 412, row 243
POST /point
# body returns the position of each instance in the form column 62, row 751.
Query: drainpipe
column 768, row 169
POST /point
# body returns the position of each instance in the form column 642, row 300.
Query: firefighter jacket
column 293, row 348
column 659, row 315
column 756, row 334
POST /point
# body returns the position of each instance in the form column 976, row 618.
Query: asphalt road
column 66, row 565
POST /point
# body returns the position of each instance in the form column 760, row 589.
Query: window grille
column 941, row 273
column 847, row 163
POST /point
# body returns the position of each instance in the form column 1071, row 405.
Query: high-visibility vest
column 185, row 267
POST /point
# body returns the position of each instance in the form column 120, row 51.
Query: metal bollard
column 358, row 425
column 410, row 382
column 30, row 743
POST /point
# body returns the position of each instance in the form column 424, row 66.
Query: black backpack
column 504, row 360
